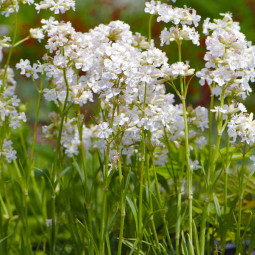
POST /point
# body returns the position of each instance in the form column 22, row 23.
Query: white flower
column 179, row 34
column 24, row 65
column 194, row 165
column 103, row 131
column 36, row 33
column 182, row 69
column 7, row 151
column 58, row 6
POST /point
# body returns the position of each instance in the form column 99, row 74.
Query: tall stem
column 36, row 121
column 240, row 201
column 223, row 242
column 150, row 24
column 141, row 167
column 122, row 198
column 106, row 170
column 161, row 206
column 56, row 163
column 187, row 155
column 213, row 155
column 80, row 128
column 189, row 172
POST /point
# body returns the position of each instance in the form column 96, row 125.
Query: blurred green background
column 90, row 13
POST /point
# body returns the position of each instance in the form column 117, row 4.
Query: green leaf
column 190, row 245
column 217, row 205
column 64, row 171
column 131, row 246
column 183, row 245
column 78, row 169
column 195, row 237
column 133, row 209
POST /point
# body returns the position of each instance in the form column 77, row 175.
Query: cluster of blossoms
column 229, row 59
column 4, row 43
column 57, row 6
column 230, row 66
column 126, row 73
column 10, row 6
column 242, row 126
column 182, row 18
column 10, row 116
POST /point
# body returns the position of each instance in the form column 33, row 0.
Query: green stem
column 122, row 213
column 162, row 207
column 56, row 164
column 21, row 41
column 150, row 198
column 187, row 154
column 210, row 133
column 88, row 205
column 150, row 24
column 105, row 174
column 122, row 198
column 140, row 208
column 223, row 242
column 178, row 223
column 189, row 172
column 240, row 200
column 213, row 155
column 36, row 121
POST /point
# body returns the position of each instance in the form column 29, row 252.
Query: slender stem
column 178, row 223
column 105, row 174
column 140, row 208
column 21, row 41
column 240, row 201
column 150, row 24
column 213, row 155
column 187, row 155
column 210, row 133
column 56, row 163
column 36, row 121
column 122, row 198
column 162, row 206
column 226, row 177
column 223, row 242
column 80, row 128
column 150, row 188
column 189, row 172
column 122, row 213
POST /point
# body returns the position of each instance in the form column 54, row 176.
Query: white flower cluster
column 168, row 13
column 70, row 136
column 177, row 69
column 10, row 6
column 228, row 110
column 181, row 17
column 7, row 151
column 242, row 126
column 57, row 6
column 230, row 58
column 4, row 43
column 126, row 73
column 179, row 34
column 9, row 111
column 9, row 102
